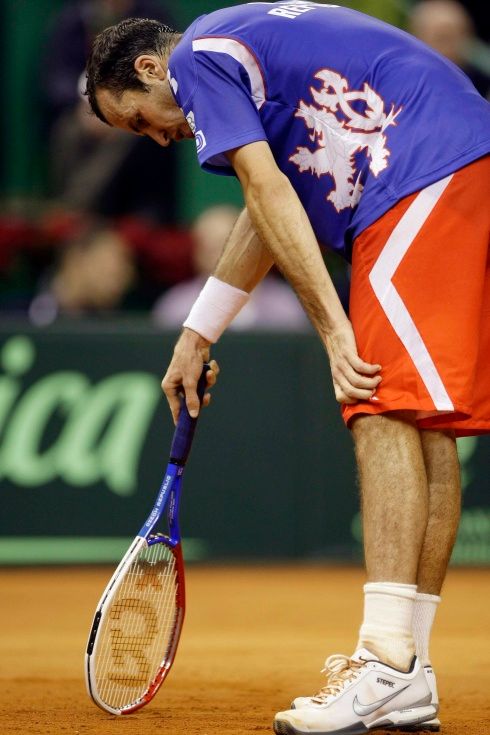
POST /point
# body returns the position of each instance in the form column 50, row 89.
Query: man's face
column 152, row 113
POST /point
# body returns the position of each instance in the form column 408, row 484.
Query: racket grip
column 186, row 425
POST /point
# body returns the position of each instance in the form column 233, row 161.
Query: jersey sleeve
column 222, row 109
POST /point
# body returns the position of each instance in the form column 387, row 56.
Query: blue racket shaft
column 179, row 451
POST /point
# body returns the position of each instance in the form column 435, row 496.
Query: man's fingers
column 341, row 397
column 184, row 371
column 363, row 367
column 354, row 379
column 174, row 403
column 350, row 392
column 173, row 387
column 211, row 378
column 191, row 399
column 361, row 381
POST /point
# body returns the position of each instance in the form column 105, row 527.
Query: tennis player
column 350, row 134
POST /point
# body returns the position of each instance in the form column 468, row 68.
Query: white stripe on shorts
column 392, row 304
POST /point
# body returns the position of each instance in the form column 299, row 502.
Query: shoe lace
column 340, row 670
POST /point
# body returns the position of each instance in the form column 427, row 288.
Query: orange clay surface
column 254, row 638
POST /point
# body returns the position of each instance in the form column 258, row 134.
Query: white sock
column 386, row 630
column 424, row 611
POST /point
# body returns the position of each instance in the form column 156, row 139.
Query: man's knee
column 385, row 438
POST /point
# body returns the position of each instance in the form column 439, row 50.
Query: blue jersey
column 358, row 114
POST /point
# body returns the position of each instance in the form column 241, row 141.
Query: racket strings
column 138, row 628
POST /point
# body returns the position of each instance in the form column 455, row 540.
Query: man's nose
column 160, row 138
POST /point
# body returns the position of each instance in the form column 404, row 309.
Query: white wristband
column 215, row 308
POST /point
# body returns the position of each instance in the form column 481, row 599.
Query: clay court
column 254, row 637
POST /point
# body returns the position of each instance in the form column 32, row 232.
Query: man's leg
column 442, row 466
column 443, row 475
column 395, row 507
column 410, row 490
column 394, row 495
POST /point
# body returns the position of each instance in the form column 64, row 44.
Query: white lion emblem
column 340, row 131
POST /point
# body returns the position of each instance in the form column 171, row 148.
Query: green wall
column 85, row 434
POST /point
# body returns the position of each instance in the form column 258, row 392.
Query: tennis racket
column 137, row 623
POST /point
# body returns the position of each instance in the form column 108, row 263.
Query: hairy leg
column 394, row 495
column 443, row 475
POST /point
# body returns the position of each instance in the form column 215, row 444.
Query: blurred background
column 105, row 241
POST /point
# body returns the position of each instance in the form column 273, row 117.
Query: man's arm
column 281, row 223
column 243, row 263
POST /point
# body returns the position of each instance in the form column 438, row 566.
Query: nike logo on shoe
column 363, row 710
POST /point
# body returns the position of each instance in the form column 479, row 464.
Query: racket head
column 137, row 626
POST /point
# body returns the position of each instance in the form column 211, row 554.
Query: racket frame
column 168, row 497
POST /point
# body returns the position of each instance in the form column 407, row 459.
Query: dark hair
column 114, row 51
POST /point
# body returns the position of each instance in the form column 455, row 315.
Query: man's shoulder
column 238, row 22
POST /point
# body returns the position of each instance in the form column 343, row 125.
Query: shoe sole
column 285, row 728
column 432, row 726
column 282, row 727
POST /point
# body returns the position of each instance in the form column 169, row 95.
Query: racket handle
column 186, row 425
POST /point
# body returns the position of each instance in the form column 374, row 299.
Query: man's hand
column 353, row 379
column 184, row 371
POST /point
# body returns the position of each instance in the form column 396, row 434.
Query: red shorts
column 420, row 304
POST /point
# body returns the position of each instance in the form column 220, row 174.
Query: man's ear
column 149, row 68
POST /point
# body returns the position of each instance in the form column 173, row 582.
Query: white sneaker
column 434, row 725
column 361, row 694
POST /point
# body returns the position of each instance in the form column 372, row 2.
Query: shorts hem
column 458, row 420
column 432, row 415
column 467, row 428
